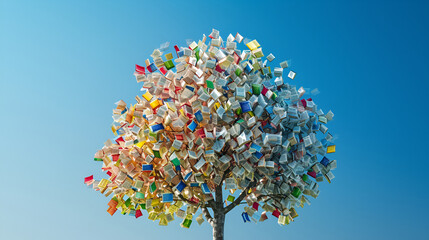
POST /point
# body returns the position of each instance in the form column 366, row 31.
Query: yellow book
column 169, row 56
column 154, row 104
column 103, row 183
column 252, row 45
column 147, row 96
column 331, row 149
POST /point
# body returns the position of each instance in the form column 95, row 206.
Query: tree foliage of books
column 214, row 121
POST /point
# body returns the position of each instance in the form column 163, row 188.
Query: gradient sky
column 64, row 65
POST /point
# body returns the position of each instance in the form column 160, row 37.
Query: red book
column 255, row 206
column 264, row 90
column 312, row 173
column 276, row 213
column 115, row 157
column 89, row 180
column 120, row 139
column 163, row 70
column 138, row 213
column 219, row 69
column 140, row 69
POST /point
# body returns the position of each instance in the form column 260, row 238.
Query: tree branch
column 237, row 201
column 225, row 174
column 274, row 198
column 207, row 215
column 219, row 197
column 186, row 200
column 211, row 204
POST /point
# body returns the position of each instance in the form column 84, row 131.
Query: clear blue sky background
column 64, row 65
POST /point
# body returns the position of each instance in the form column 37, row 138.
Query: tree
column 222, row 121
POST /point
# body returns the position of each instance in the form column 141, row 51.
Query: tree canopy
column 214, row 120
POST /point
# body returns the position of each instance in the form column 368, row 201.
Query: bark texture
column 218, row 225
column 218, row 214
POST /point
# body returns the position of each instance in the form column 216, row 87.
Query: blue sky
column 64, row 65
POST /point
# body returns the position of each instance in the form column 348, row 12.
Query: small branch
column 211, row 203
column 218, row 192
column 207, row 215
column 219, row 197
column 186, row 200
column 274, row 198
column 225, row 174
column 237, row 201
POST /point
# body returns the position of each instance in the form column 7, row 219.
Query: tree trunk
column 218, row 225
